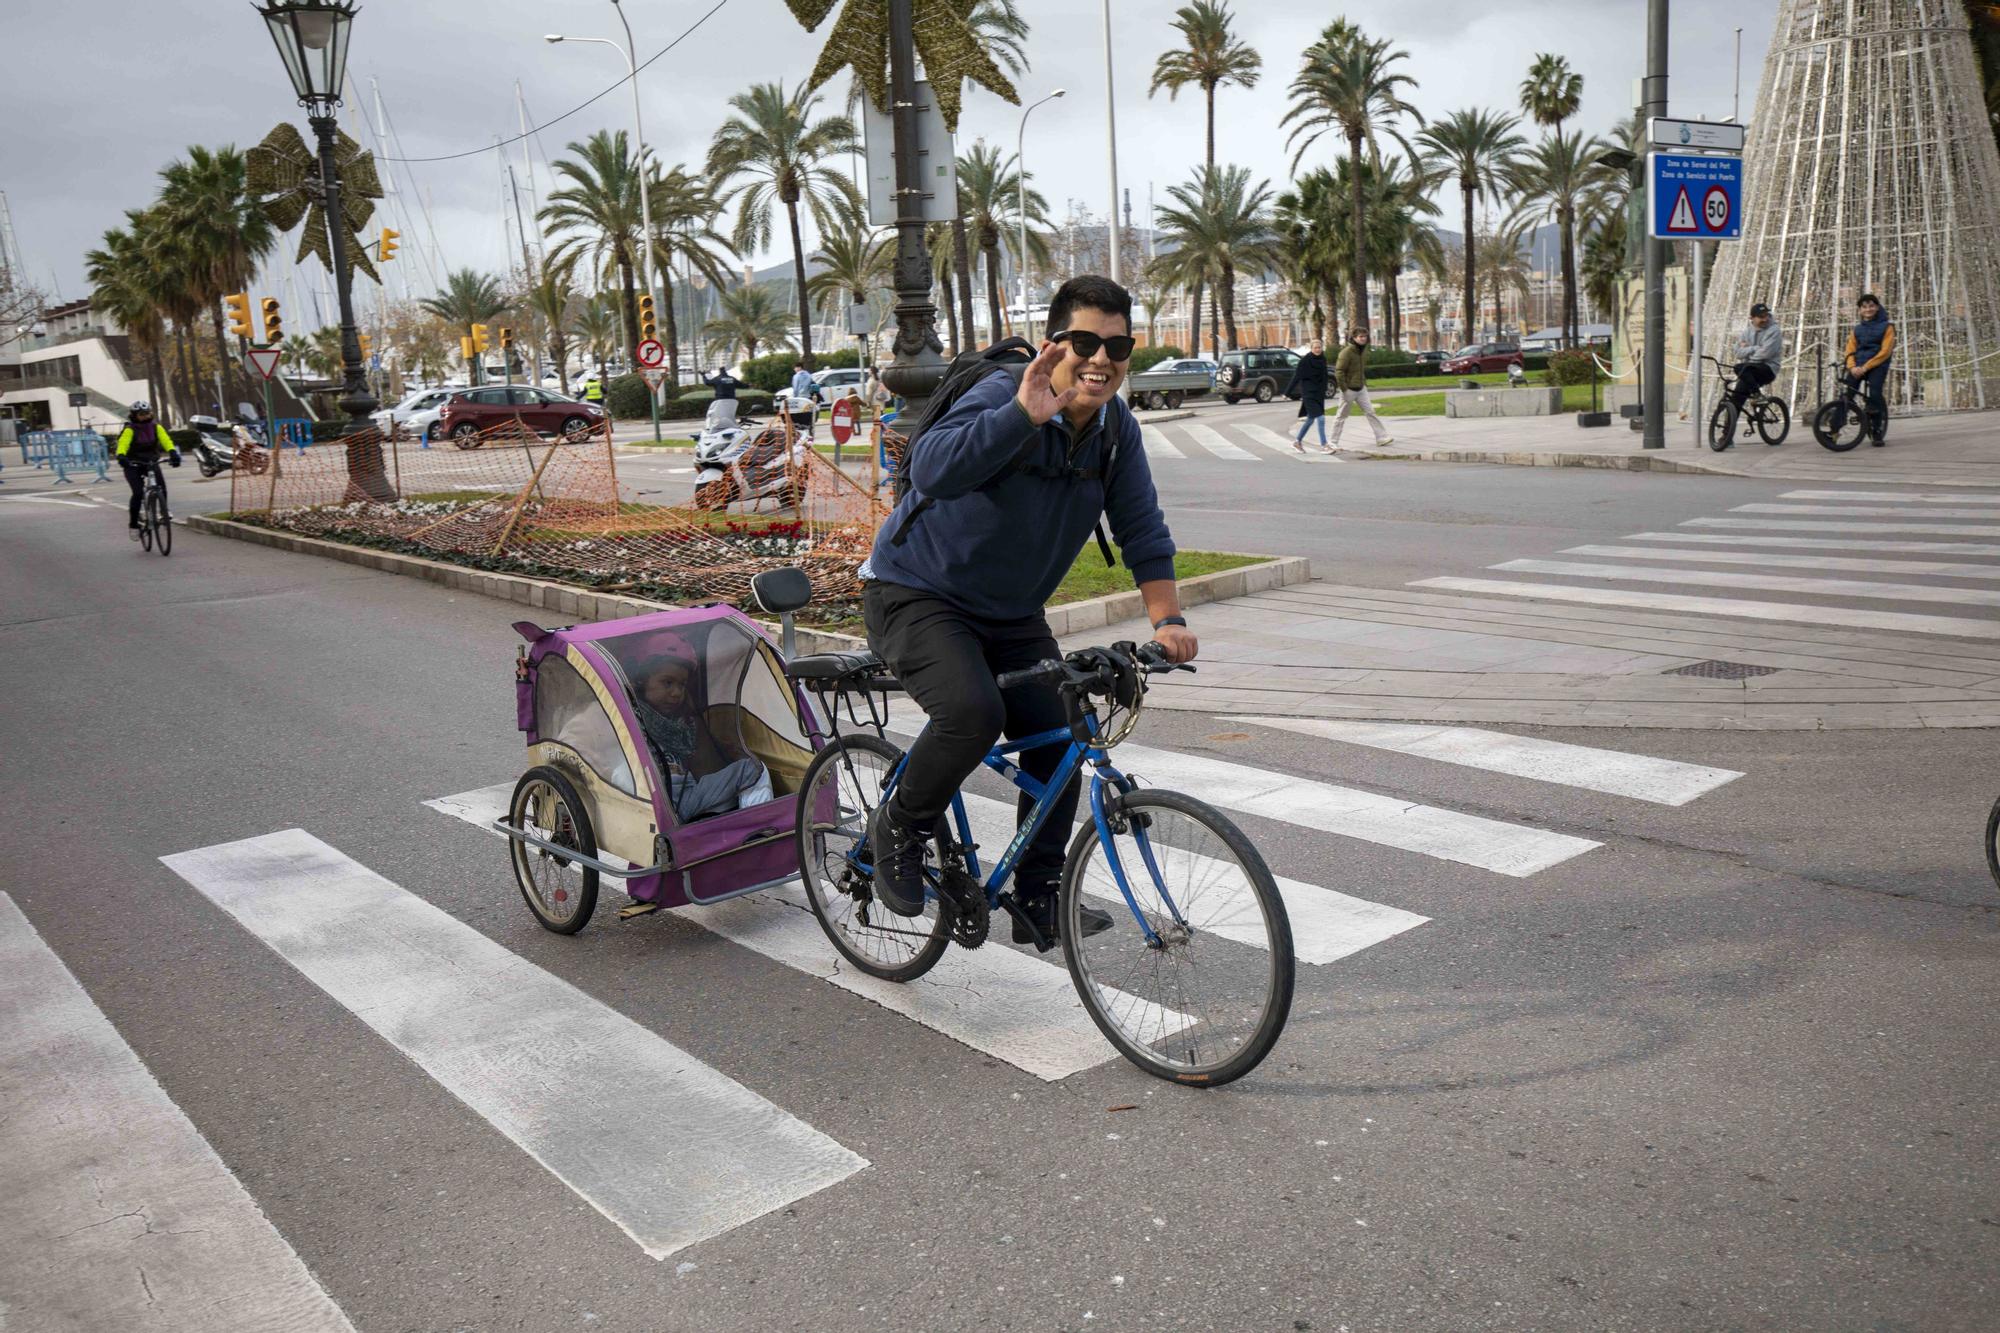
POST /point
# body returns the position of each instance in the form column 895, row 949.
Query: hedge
column 625, row 396
column 1145, row 358
column 1572, row 367
column 693, row 405
column 774, row 372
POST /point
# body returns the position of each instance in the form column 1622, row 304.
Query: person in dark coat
column 1309, row 383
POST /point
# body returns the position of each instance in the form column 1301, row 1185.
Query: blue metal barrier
column 67, row 451
column 296, row 431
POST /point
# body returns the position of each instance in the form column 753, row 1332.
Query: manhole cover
column 1715, row 670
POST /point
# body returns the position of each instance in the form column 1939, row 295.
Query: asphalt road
column 1731, row 1068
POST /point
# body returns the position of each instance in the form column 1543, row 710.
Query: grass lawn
column 1089, row 577
column 1576, row 398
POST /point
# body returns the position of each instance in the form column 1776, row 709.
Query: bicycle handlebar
column 1085, row 669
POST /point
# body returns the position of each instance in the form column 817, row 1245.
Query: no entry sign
column 841, row 419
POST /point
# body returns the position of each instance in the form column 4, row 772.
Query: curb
column 1545, row 458
column 583, row 605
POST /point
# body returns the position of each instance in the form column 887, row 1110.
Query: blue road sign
column 1694, row 198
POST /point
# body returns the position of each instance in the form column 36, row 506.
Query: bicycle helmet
column 1759, row 309
column 142, row 408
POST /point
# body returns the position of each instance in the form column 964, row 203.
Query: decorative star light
column 945, row 43
column 283, row 173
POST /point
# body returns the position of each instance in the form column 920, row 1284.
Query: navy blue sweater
column 995, row 541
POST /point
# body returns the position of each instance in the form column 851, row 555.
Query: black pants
column 135, row 477
column 1872, row 385
column 947, row 659
column 1750, row 377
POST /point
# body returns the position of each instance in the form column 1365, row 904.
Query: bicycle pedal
column 632, row 910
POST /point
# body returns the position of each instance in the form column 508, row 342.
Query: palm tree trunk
column 1194, row 322
column 186, row 387
column 961, row 253
column 1466, row 334
column 221, row 359
column 1215, row 322
column 992, row 254
column 1210, row 90
column 1226, row 301
column 1570, row 329
column 673, row 327
column 559, row 353
column 799, row 277
column 1357, row 217
column 951, row 319
column 630, row 304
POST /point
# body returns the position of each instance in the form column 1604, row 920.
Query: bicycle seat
column 832, row 669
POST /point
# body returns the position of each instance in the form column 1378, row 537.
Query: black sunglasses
column 1085, row 344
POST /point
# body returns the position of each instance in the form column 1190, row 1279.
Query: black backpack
column 967, row 369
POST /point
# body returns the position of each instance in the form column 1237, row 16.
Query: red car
column 1481, row 359
column 469, row 413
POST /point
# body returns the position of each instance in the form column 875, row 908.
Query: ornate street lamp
column 311, row 37
column 919, row 364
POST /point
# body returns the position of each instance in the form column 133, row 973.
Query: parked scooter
column 214, row 447
column 738, row 458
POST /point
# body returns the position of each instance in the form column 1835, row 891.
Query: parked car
column 466, row 414
column 1430, row 358
column 836, row 384
column 401, row 418
column 1256, row 372
column 1170, row 383
column 1481, row 359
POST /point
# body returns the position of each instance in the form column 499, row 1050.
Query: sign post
column 1694, row 197
column 264, row 360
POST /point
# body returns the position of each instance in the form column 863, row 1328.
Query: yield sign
column 1683, row 218
column 264, row 360
column 653, row 377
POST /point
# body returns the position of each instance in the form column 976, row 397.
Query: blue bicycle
column 1192, row 982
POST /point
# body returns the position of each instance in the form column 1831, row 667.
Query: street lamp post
column 918, row 366
column 311, row 37
column 1021, row 175
column 1111, row 137
column 645, row 185
column 1654, row 377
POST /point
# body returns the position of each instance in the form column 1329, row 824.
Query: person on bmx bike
column 1760, row 355
column 1005, row 488
column 1870, row 345
column 139, row 447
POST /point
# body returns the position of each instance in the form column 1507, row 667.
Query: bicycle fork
column 1179, row 932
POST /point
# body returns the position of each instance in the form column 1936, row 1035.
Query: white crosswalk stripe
column 1819, row 543
column 132, row 1220
column 1212, row 441
column 1894, row 592
column 1891, row 495
column 561, row 1075
column 1014, row 1006
column 1857, row 510
column 1768, row 560
column 1835, row 525
column 1284, row 443
column 1157, row 444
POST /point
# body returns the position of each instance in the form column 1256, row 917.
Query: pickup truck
column 1171, row 383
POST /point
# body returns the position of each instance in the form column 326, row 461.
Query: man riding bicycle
column 1869, row 347
column 1760, row 353
column 138, row 451
column 1007, row 486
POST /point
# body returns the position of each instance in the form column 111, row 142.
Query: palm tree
column 597, row 319
column 685, row 209
column 1478, row 147
column 1603, row 266
column 1349, row 84
column 751, row 317
column 552, row 301
column 1222, row 224
column 206, row 204
column 598, row 215
column 1400, row 237
column 1560, row 181
column 1552, row 92
column 1502, row 269
column 120, row 280
column 467, row 298
column 944, row 270
column 777, row 153
column 321, row 352
column 1213, row 57
column 1311, row 243
column 989, row 203
column 852, row 264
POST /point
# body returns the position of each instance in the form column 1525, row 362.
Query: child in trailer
column 705, row 776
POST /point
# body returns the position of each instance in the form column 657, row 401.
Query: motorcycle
column 214, row 446
column 736, row 458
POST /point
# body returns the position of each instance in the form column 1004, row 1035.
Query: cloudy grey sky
column 99, row 96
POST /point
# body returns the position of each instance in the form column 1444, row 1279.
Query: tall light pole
column 311, row 37
column 645, row 183
column 1655, row 369
column 919, row 365
column 1111, row 138
column 1021, row 174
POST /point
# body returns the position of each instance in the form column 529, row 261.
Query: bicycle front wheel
column 1193, row 981
column 156, row 519
column 1722, row 426
column 1839, row 427
column 1774, row 420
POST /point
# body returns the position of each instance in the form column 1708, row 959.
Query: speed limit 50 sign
column 1695, row 198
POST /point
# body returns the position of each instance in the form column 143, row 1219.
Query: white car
column 404, row 415
column 836, row 384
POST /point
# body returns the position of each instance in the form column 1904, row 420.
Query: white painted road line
column 1799, row 612
column 1892, row 495
column 1710, row 578
column 1215, row 444
column 1767, row 560
column 1861, row 544
column 669, row 1149
column 117, row 1212
column 1285, row 443
column 1641, row 777
column 1157, row 444
column 1834, row 525
column 1014, row 1006
column 1889, row 511
column 1489, row 844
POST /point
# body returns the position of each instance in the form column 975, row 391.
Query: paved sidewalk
column 1331, row 650
column 1958, row 449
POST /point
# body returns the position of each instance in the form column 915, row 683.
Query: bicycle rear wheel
column 146, row 523
column 841, row 792
column 1193, row 982
column 1722, row 426
column 1839, row 427
column 1774, row 420
column 156, row 519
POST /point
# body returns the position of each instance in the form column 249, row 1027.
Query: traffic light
column 465, row 349
column 386, row 247
column 506, row 338
column 478, row 337
column 646, row 316
column 238, row 305
column 365, row 340
column 274, row 321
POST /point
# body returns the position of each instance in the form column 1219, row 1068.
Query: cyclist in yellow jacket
column 1869, row 346
column 138, row 449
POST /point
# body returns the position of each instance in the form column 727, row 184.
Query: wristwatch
column 1170, row 620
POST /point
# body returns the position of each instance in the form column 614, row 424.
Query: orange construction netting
column 519, row 502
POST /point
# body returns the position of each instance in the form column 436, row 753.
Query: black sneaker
column 899, row 863
column 1041, row 909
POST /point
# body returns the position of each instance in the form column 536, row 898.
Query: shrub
column 1379, row 356
column 625, row 396
column 1145, row 358
column 1571, row 367
column 693, row 404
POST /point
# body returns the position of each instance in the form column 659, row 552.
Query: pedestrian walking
column 806, row 388
column 1309, row 383
column 1350, row 373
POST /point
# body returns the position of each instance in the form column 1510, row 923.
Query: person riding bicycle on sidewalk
column 1760, row 354
column 138, row 450
column 1007, row 486
column 1870, row 345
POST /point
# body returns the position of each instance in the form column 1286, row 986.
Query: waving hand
column 1038, row 397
